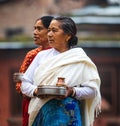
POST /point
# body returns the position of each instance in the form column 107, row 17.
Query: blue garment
column 59, row 113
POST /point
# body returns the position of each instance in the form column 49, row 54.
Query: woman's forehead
column 38, row 22
column 55, row 23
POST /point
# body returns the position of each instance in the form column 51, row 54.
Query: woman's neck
column 62, row 50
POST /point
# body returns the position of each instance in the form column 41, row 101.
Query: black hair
column 69, row 27
column 46, row 20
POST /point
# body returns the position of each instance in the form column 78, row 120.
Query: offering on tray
column 17, row 77
column 51, row 90
column 61, row 81
column 58, row 89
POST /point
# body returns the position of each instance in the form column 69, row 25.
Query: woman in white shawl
column 77, row 107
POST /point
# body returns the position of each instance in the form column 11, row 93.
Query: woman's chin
column 50, row 44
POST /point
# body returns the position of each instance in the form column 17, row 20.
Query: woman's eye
column 48, row 30
column 54, row 30
column 39, row 28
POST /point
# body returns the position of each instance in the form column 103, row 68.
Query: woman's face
column 40, row 34
column 56, row 36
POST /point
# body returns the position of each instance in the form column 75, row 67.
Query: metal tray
column 51, row 90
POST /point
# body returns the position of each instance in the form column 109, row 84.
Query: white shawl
column 76, row 67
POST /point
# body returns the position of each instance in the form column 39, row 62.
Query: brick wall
column 22, row 14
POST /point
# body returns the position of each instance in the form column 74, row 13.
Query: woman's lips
column 50, row 40
column 36, row 38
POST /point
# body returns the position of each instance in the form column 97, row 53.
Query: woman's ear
column 68, row 38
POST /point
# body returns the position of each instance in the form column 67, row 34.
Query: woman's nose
column 50, row 33
column 35, row 31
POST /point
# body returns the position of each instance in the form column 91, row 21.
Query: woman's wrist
column 35, row 92
column 73, row 92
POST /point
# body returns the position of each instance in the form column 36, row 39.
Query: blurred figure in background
column 40, row 39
